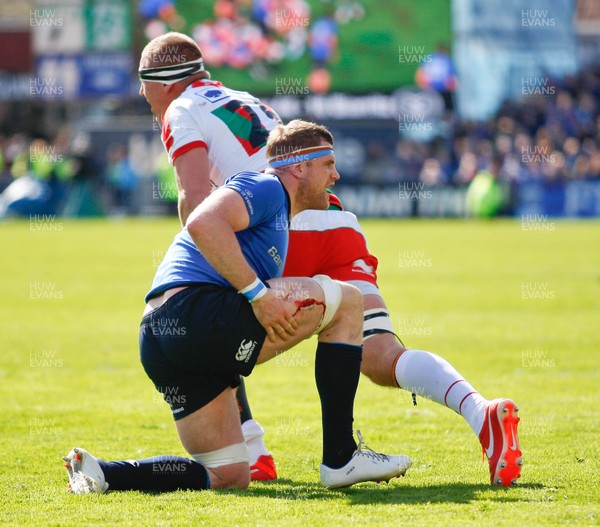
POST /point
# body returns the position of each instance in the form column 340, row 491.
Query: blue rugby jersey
column 264, row 242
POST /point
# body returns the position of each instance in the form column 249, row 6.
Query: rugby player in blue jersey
column 219, row 283
column 211, row 132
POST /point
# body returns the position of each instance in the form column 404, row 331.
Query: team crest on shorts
column 245, row 350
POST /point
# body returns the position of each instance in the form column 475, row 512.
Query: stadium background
column 512, row 303
column 518, row 136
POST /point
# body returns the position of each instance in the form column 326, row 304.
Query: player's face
column 151, row 91
column 321, row 174
column 155, row 93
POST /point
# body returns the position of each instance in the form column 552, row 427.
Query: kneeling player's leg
column 213, row 437
column 159, row 473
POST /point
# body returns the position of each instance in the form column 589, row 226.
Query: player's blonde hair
column 294, row 136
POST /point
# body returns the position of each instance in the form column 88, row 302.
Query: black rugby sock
column 337, row 370
column 162, row 473
column 242, row 401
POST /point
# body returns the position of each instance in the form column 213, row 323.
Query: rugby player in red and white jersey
column 212, row 132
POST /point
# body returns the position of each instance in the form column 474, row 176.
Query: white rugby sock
column 253, row 436
column 430, row 376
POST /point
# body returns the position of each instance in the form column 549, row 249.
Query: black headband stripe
column 175, row 76
column 179, row 72
column 169, row 68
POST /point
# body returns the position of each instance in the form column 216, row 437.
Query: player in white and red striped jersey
column 207, row 135
column 232, row 126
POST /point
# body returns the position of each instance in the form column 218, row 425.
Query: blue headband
column 299, row 156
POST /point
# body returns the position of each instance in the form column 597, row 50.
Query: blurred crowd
column 538, row 138
column 259, row 34
column 549, row 139
column 64, row 177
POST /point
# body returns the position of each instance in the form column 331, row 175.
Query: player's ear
column 172, row 89
column 297, row 170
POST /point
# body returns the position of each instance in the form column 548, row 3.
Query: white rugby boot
column 365, row 465
column 85, row 474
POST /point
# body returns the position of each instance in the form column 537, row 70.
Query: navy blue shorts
column 198, row 343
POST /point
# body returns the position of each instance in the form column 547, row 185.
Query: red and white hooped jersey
column 329, row 242
column 232, row 125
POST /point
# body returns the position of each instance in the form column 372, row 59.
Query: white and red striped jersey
column 329, row 242
column 232, row 125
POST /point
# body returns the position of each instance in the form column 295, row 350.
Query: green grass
column 72, row 295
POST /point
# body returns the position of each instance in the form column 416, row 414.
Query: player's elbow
column 204, row 227
column 195, row 226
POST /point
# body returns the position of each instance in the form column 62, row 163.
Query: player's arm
column 193, row 180
column 212, row 226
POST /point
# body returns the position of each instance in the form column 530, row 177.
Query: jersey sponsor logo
column 245, row 350
column 212, row 94
column 272, row 252
column 361, row 266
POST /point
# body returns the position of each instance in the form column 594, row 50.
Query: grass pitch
column 513, row 306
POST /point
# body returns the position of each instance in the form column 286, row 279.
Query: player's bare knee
column 353, row 299
column 228, row 467
column 239, row 477
column 236, row 476
column 342, row 318
column 347, row 320
column 351, row 306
